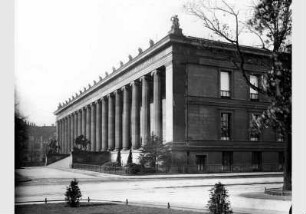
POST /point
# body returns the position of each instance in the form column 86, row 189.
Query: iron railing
column 207, row 168
column 219, row 168
column 99, row 168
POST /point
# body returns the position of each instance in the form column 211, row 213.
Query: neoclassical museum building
column 185, row 90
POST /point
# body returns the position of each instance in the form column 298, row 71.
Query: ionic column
column 126, row 119
column 83, row 121
column 71, row 132
column 111, row 123
column 157, row 103
column 118, row 120
column 93, row 127
column 135, row 115
column 145, row 117
column 88, row 119
column 68, row 132
column 66, row 135
column 104, row 124
column 80, row 122
column 98, row 126
column 57, row 133
column 61, row 135
column 76, row 115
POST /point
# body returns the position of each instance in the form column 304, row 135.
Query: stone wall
column 97, row 158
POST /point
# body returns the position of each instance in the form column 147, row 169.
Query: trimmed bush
column 73, row 194
column 111, row 166
column 149, row 170
column 133, row 168
column 219, row 202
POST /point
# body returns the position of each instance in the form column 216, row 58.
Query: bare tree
column 271, row 24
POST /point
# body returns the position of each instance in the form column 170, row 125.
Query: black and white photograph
column 156, row 106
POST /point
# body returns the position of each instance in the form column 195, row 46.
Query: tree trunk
column 288, row 163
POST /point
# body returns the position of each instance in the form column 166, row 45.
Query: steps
column 64, row 163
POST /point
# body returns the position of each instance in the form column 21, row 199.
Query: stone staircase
column 64, row 163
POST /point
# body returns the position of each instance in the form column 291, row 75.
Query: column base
column 135, row 155
column 124, row 156
column 113, row 156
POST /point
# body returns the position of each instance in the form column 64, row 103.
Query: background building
column 35, row 148
column 185, row 90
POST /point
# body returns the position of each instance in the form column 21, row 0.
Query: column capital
column 125, row 87
column 135, row 82
column 155, row 72
column 118, row 91
column 145, row 77
column 109, row 95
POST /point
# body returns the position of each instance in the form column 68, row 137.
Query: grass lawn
column 93, row 208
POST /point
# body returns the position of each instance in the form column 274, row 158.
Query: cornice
column 125, row 68
column 168, row 40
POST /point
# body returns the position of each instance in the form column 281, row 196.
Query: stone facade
column 172, row 90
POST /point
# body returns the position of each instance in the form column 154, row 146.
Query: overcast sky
column 62, row 45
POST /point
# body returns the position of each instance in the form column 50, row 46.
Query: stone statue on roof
column 151, row 42
column 175, row 22
column 175, row 28
column 130, row 58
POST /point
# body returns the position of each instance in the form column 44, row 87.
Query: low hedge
column 111, row 166
column 133, row 168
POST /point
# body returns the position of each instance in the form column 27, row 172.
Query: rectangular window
column 225, row 126
column 254, row 134
column 253, row 93
column 225, row 84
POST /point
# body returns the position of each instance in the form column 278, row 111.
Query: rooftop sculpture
column 151, row 42
column 175, row 28
column 130, row 58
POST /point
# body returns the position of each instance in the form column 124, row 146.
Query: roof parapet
column 175, row 29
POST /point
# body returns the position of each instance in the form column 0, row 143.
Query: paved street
column 181, row 191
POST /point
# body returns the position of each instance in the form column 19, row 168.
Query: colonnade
column 113, row 121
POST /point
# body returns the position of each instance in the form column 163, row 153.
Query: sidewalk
column 182, row 191
column 177, row 176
